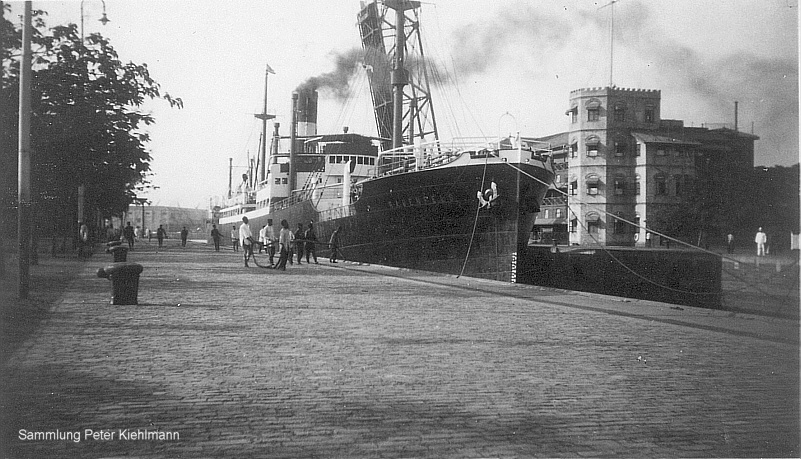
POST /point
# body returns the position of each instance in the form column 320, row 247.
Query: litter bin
column 124, row 279
column 119, row 252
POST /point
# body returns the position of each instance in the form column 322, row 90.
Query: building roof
column 648, row 137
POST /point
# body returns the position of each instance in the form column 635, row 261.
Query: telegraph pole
column 24, row 170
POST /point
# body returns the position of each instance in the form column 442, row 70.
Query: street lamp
column 104, row 20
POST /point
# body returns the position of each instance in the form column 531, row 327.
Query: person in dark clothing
column 128, row 233
column 184, row 235
column 299, row 234
column 161, row 234
column 310, row 236
column 216, row 237
column 334, row 243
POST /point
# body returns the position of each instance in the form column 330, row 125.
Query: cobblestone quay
column 348, row 360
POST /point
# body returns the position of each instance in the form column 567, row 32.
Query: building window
column 592, row 150
column 574, row 116
column 592, row 184
column 649, row 115
column 679, row 185
column 620, row 186
column 620, row 148
column 574, row 225
column 593, row 114
column 660, row 151
column 574, row 150
column 593, row 223
column 637, row 185
column 560, row 213
column 620, row 113
column 620, row 225
column 661, row 184
column 546, row 213
column 574, row 188
column 558, row 179
column 278, row 180
column 284, row 181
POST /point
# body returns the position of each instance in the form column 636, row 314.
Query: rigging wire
column 475, row 221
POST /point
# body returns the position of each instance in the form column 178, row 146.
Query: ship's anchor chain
column 488, row 197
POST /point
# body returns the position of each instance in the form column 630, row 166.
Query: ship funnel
column 307, row 112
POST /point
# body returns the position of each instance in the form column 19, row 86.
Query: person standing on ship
column 284, row 241
column 310, row 237
column 246, row 239
column 299, row 235
column 334, row 243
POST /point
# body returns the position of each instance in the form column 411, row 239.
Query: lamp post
column 142, row 202
column 104, row 20
column 82, row 188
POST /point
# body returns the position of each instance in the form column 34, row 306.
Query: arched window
column 593, row 222
column 593, row 110
column 593, row 184
column 592, row 142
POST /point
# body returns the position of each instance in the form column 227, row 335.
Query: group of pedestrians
column 288, row 244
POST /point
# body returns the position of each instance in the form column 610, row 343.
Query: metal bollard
column 124, row 279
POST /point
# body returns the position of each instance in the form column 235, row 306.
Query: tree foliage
column 87, row 126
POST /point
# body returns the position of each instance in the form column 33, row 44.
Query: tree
column 87, row 125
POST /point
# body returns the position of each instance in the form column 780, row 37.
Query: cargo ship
column 403, row 198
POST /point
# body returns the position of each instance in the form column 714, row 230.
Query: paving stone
column 355, row 360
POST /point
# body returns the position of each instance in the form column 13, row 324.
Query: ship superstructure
column 404, row 198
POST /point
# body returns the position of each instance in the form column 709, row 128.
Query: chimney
column 307, row 112
column 344, row 129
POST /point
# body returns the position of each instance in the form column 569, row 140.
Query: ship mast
column 264, row 116
column 400, row 91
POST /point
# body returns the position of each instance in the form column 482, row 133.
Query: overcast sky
column 509, row 56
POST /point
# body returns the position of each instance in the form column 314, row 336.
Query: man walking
column 246, row 239
column 310, row 237
column 128, row 233
column 284, row 241
column 216, row 236
column 299, row 235
column 761, row 239
column 334, row 243
column 161, row 233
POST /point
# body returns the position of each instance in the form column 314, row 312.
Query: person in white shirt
column 269, row 234
column 246, row 239
column 761, row 239
column 263, row 238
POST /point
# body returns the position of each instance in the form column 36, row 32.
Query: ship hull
column 432, row 220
